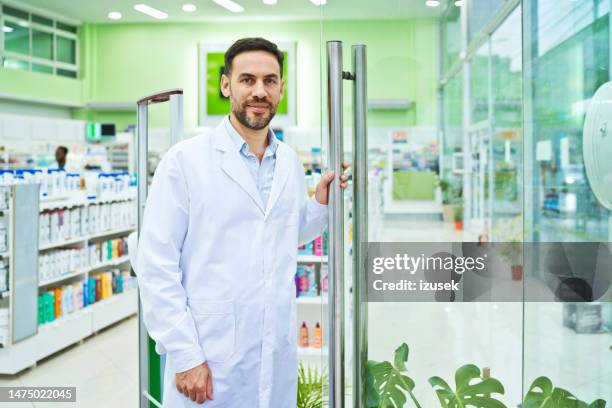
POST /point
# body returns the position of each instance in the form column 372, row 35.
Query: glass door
column 496, row 111
column 411, row 349
column 566, row 48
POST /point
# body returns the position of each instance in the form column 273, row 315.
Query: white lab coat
column 216, row 271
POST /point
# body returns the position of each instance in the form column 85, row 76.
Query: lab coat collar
column 242, row 145
column 234, row 167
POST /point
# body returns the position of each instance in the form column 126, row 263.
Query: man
column 61, row 153
column 218, row 247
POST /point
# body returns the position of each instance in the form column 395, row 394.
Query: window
column 36, row 43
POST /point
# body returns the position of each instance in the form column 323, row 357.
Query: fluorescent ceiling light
column 189, row 8
column 270, row 2
column 150, row 11
column 23, row 23
column 114, row 15
column 459, row 3
column 318, row 2
column 432, row 3
column 7, row 29
column 230, row 5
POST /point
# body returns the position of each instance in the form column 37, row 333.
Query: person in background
column 61, row 153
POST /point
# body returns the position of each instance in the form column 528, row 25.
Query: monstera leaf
column 466, row 394
column 386, row 385
column 542, row 394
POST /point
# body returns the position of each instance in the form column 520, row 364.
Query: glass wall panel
column 453, row 126
column 567, row 54
column 66, row 50
column 42, row 44
column 42, row 68
column 480, row 12
column 451, row 36
column 16, row 38
column 479, row 85
column 507, row 149
column 15, row 63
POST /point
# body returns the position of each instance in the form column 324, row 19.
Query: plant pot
column 458, row 225
column 448, row 212
column 517, row 272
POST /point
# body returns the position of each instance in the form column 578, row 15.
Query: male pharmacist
column 217, row 253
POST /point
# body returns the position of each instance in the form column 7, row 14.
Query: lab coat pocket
column 216, row 324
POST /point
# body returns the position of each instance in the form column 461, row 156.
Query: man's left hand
column 322, row 191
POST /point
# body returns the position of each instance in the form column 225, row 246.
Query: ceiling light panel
column 150, row 11
column 230, row 5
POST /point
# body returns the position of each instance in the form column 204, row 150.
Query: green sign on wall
column 213, row 106
column 216, row 103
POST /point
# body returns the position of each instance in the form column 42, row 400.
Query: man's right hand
column 196, row 383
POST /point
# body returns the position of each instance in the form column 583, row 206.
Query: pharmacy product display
column 311, row 284
column 81, row 259
column 55, row 303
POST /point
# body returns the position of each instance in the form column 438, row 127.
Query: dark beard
column 256, row 124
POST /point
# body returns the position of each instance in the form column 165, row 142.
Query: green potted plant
column 511, row 246
column 312, row 386
column 446, row 189
column 389, row 386
column 458, row 216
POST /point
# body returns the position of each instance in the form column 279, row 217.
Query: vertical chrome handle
column 360, row 225
column 175, row 96
column 141, row 174
column 336, row 232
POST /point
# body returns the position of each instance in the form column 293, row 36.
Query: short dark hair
column 252, row 44
column 63, row 149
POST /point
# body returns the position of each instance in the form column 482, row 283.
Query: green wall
column 42, row 87
column 128, row 61
column 122, row 62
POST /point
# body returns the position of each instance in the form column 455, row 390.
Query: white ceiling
column 97, row 10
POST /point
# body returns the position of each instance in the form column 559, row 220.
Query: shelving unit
column 67, row 329
column 55, row 336
column 312, row 309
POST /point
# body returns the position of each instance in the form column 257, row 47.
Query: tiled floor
column 104, row 368
column 441, row 337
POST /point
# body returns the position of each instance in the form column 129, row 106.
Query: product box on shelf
column 3, row 275
column 4, row 325
column 3, row 234
column 56, row 263
column 306, row 281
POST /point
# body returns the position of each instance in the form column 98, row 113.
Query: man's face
column 254, row 87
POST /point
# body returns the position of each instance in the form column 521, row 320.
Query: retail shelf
column 110, row 262
column 5, row 294
column 67, row 330
column 97, row 235
column 111, row 232
column 311, row 351
column 57, row 279
column 62, row 243
column 315, row 300
column 311, row 259
column 65, row 202
column 4, row 254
